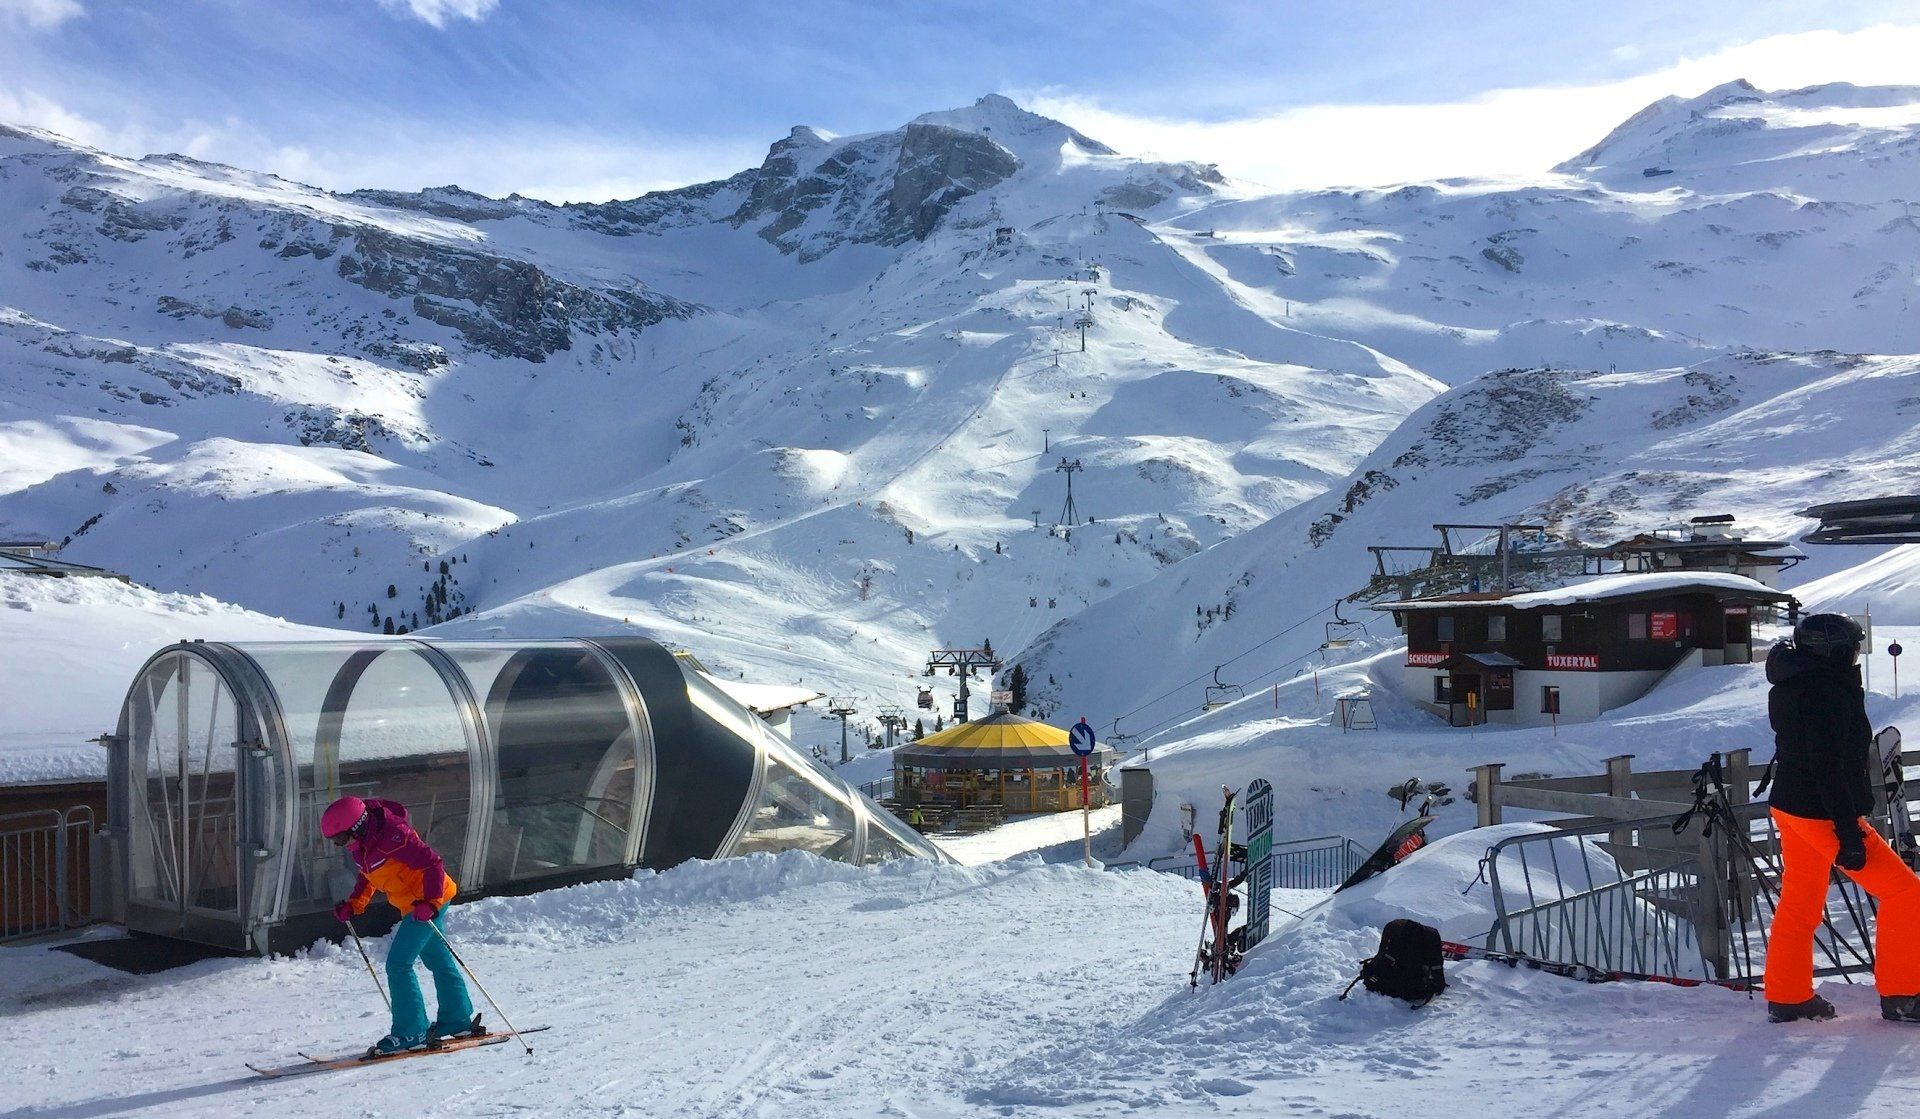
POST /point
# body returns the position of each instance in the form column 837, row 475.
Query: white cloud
column 438, row 12
column 39, row 14
column 1499, row 133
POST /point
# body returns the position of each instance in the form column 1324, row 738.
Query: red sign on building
column 1425, row 660
column 1665, row 626
column 1573, row 660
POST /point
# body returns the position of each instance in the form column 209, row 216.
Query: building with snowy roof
column 35, row 557
column 1571, row 653
column 527, row 765
column 1004, row 760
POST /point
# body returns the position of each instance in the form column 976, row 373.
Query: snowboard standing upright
column 1259, row 861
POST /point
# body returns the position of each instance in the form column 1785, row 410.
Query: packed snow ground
column 787, row 986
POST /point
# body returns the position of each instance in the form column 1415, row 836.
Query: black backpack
column 1407, row 964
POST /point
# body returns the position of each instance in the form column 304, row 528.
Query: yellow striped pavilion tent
column 1022, row 764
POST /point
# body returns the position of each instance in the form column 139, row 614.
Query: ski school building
column 1569, row 654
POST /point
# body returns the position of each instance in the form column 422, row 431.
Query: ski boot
column 439, row 1033
column 1900, row 1008
column 393, row 1045
column 1815, row 1009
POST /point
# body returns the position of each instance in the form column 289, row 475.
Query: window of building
column 1550, row 628
column 1444, row 626
column 1500, row 690
column 1443, row 688
column 1637, row 627
column 1497, row 627
column 1549, row 700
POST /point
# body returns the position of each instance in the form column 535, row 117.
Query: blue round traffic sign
column 1080, row 737
column 1894, row 649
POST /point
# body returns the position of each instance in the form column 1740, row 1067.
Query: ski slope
column 784, row 986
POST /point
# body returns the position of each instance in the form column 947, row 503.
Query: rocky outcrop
column 886, row 190
column 499, row 305
column 937, row 168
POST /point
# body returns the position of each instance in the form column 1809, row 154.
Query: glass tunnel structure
column 526, row 764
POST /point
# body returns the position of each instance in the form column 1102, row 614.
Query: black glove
column 1853, row 847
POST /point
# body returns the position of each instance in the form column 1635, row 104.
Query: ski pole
column 482, row 986
column 357, row 943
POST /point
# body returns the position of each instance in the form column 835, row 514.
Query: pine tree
column 919, row 728
column 387, row 627
column 1017, row 685
column 391, row 592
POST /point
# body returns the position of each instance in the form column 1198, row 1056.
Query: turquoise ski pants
column 414, row 941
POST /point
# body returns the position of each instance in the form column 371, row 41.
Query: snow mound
column 77, row 644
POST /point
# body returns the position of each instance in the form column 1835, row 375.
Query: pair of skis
column 1215, row 955
column 311, row 1064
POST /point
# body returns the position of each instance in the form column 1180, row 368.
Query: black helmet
column 1835, row 637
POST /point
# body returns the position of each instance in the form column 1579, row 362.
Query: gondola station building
column 1571, row 653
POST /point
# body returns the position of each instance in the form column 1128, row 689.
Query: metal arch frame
column 640, row 723
column 263, row 908
column 481, row 758
column 259, row 878
column 755, row 788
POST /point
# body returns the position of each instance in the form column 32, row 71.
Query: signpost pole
column 1081, row 739
column 1086, row 815
column 1894, row 650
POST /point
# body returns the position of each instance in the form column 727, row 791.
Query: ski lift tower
column 1089, row 293
column 1083, row 322
column 962, row 663
column 842, row 706
column 894, row 719
column 1069, row 515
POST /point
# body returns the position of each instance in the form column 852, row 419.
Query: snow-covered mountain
column 1593, row 456
column 795, row 419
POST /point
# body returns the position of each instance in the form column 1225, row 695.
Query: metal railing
column 1319, row 863
column 46, row 862
column 880, row 789
column 1641, row 898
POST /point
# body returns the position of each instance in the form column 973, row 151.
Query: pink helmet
column 342, row 815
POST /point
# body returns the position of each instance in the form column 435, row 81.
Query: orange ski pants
column 1807, row 849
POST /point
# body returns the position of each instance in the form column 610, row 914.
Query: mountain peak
column 1736, row 123
column 1012, row 127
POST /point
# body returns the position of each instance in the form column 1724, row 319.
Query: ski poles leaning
column 483, row 988
column 368, row 960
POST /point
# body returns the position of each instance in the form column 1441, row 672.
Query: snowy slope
column 786, row 986
column 794, row 419
column 71, row 649
column 1593, row 456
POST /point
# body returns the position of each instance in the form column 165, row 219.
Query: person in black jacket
column 1822, row 793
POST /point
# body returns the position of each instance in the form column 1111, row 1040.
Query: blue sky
column 597, row 98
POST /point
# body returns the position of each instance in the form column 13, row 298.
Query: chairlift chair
column 1341, row 632
column 1220, row 694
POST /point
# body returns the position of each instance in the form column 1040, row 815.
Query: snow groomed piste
column 592, row 757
